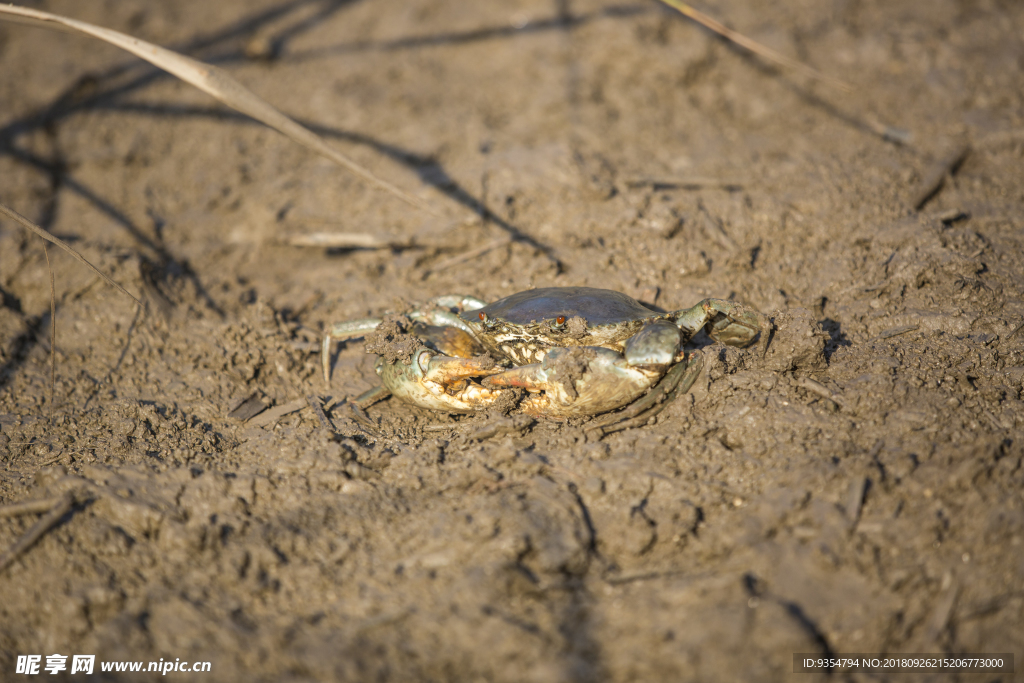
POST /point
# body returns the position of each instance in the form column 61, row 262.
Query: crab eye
column 560, row 320
column 483, row 316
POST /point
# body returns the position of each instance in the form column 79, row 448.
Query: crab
column 576, row 351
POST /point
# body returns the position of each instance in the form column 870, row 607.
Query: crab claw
column 445, row 370
column 451, row 341
column 724, row 321
column 735, row 326
column 439, row 382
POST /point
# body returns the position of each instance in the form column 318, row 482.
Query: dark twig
column 684, row 183
column 272, row 415
column 318, row 410
column 936, row 176
column 45, row 523
column 53, row 331
column 32, row 227
column 363, row 420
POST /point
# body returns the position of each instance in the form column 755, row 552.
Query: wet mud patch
column 852, row 484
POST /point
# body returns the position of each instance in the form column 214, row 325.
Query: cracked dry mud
column 855, row 487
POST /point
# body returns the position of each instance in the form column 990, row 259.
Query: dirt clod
column 797, row 342
column 508, row 401
column 392, row 340
column 576, row 327
column 568, row 366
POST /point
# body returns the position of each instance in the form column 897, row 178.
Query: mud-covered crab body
column 577, row 351
column 524, row 326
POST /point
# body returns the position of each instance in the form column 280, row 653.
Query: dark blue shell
column 596, row 306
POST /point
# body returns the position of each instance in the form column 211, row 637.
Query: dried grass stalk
column 208, row 78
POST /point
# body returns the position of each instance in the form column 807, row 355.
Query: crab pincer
column 431, row 380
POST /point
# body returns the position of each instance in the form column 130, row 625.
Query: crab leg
column 371, row 396
column 677, row 381
column 441, row 317
column 342, row 331
column 438, row 311
column 725, row 321
column 459, row 301
column 353, row 328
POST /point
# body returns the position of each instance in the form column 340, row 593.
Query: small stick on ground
column 855, row 504
column 936, row 176
column 348, row 240
column 361, row 418
column 53, row 331
column 897, row 331
column 820, row 389
column 942, row 611
column 891, row 133
column 274, row 414
column 471, row 254
column 715, row 230
column 45, row 523
column 29, row 507
column 318, row 410
column 248, row 408
column 692, row 183
column 514, row 424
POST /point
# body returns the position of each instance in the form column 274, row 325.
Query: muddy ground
column 856, row 486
